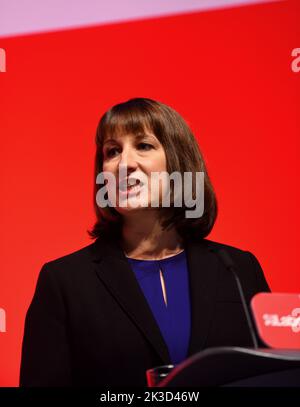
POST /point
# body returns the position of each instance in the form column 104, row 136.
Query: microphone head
column 226, row 258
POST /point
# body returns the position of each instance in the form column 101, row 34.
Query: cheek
column 158, row 163
column 110, row 168
column 163, row 161
column 105, row 167
column 110, row 186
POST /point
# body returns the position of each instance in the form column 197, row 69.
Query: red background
column 228, row 72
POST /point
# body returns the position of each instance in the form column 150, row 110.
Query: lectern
column 235, row 366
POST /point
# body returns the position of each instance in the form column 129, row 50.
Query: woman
column 151, row 290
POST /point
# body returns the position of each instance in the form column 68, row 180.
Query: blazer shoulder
column 78, row 261
column 246, row 263
column 211, row 244
column 240, row 256
column 75, row 257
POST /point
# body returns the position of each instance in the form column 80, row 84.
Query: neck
column 145, row 239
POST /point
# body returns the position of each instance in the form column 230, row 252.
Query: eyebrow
column 138, row 137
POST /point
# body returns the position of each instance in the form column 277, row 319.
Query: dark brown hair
column 182, row 155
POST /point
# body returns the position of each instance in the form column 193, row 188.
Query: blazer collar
column 115, row 272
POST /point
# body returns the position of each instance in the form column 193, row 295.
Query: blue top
column 172, row 318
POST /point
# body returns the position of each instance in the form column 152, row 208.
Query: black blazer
column 89, row 323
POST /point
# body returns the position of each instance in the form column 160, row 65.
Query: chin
column 130, row 209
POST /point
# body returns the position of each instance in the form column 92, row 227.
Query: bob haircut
column 182, row 155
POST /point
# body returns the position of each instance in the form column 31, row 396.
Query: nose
column 128, row 160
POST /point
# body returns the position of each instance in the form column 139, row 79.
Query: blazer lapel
column 115, row 272
column 203, row 271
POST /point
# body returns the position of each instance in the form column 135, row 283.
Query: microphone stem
column 246, row 311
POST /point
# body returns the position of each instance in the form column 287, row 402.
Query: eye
column 110, row 152
column 145, row 146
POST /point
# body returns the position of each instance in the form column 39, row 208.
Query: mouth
column 130, row 186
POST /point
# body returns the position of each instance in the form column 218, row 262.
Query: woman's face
column 133, row 157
